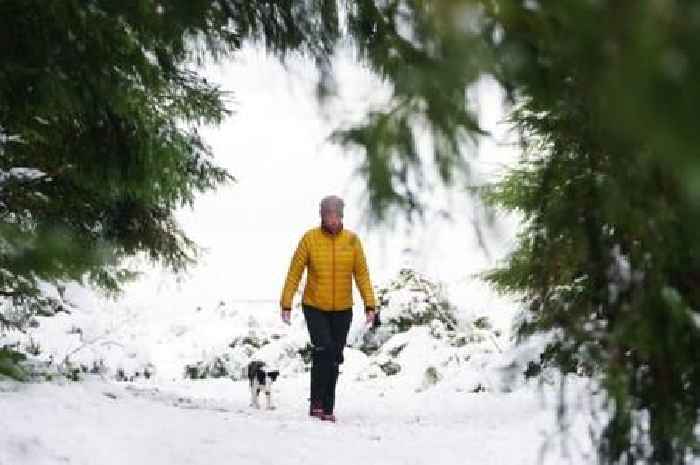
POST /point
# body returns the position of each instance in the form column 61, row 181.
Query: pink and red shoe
column 316, row 410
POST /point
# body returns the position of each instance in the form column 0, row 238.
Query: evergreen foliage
column 98, row 139
column 603, row 94
column 10, row 363
column 607, row 256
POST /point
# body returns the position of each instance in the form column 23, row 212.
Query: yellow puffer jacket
column 331, row 261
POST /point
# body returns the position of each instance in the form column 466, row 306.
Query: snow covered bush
column 287, row 349
column 412, row 300
column 10, row 363
column 229, row 364
column 423, row 338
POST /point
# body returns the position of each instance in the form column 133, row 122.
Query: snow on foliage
column 423, row 340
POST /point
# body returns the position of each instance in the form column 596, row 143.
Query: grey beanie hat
column 332, row 203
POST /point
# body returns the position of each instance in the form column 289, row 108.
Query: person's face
column 332, row 221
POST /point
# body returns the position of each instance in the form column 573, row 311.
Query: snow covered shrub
column 18, row 363
column 412, row 300
column 431, row 376
column 250, row 342
column 15, row 345
column 134, row 373
column 390, row 367
column 286, row 349
column 72, row 371
column 289, row 351
column 10, row 363
column 220, row 366
column 423, row 339
column 482, row 323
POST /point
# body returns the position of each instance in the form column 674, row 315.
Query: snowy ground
column 209, row 422
column 476, row 409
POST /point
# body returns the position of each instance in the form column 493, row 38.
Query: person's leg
column 319, row 328
column 339, row 328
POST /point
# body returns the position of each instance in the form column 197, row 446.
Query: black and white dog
column 261, row 380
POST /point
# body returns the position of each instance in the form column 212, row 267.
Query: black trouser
column 328, row 331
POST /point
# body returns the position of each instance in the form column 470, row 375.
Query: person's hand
column 370, row 314
column 286, row 315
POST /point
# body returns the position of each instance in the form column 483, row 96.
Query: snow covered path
column 209, row 423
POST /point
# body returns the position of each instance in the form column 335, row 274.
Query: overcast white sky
column 276, row 145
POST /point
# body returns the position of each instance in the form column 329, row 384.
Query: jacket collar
column 326, row 231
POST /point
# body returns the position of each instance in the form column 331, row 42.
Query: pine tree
column 98, row 140
column 607, row 258
column 100, row 102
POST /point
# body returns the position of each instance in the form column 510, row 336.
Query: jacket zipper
column 333, row 273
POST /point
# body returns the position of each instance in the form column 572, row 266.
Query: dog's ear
column 256, row 365
column 273, row 375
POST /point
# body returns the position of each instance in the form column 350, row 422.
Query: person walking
column 332, row 256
